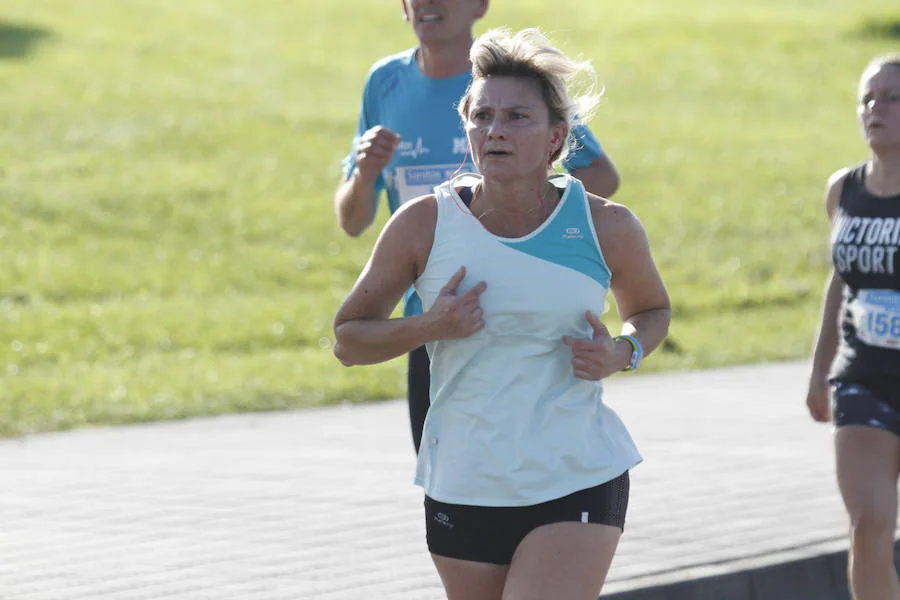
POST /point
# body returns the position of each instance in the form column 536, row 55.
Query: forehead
column 506, row 90
column 880, row 77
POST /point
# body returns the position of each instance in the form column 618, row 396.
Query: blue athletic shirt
column 510, row 424
column 433, row 145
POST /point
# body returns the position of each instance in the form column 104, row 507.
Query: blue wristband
column 637, row 352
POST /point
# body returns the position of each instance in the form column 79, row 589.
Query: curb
column 822, row 577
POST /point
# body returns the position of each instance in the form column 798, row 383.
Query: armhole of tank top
column 856, row 176
column 442, row 198
column 447, row 201
column 440, row 201
column 859, row 174
column 589, row 217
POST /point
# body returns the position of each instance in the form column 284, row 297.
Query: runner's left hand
column 599, row 356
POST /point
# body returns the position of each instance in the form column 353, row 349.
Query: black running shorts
column 491, row 534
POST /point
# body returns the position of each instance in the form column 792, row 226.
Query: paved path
column 318, row 504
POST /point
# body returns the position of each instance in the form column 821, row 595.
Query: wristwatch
column 637, row 352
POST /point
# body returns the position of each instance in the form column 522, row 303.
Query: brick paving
column 319, row 504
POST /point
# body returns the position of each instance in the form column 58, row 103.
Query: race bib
column 413, row 182
column 876, row 315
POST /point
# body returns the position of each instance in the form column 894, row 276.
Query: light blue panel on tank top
column 568, row 239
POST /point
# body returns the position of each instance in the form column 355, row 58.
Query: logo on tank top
column 866, row 244
column 573, row 233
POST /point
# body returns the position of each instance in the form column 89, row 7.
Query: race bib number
column 413, row 182
column 876, row 315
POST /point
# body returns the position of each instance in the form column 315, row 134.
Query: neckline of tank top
column 469, row 191
column 878, row 197
column 863, row 176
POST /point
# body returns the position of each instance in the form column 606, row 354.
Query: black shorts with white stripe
column 491, row 534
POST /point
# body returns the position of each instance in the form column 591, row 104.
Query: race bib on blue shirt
column 417, row 180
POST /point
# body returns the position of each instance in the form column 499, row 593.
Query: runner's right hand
column 374, row 151
column 457, row 316
column 818, row 399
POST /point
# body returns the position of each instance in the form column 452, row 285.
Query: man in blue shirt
column 410, row 139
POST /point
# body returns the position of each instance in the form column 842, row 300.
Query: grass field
column 167, row 242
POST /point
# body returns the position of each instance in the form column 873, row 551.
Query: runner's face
column 442, row 20
column 879, row 106
column 509, row 130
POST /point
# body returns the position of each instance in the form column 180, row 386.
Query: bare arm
column 826, row 343
column 364, row 331
column 640, row 294
column 600, row 177
column 354, row 201
column 827, row 337
column 641, row 297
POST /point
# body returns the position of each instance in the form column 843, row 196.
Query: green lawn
column 167, row 242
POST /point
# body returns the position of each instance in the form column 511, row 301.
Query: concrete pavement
column 735, row 499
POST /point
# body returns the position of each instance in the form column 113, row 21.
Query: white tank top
column 509, row 423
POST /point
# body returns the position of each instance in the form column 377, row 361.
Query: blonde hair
column 886, row 60
column 567, row 86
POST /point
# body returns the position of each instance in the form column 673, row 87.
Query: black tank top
column 865, row 240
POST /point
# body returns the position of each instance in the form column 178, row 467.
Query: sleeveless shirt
column 509, row 423
column 865, row 240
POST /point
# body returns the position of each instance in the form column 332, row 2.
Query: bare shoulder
column 619, row 232
column 837, row 178
column 410, row 232
column 833, row 190
column 415, row 216
column 621, row 237
column 611, row 218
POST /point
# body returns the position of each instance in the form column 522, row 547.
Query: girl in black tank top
column 858, row 345
column 865, row 240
